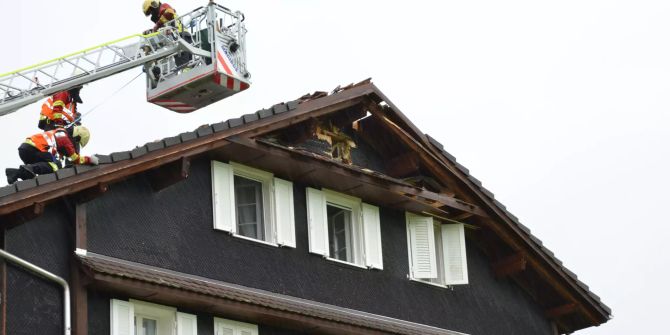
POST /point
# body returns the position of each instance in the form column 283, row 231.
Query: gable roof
column 576, row 306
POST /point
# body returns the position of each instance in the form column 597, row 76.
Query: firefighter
column 40, row 153
column 162, row 13
column 60, row 110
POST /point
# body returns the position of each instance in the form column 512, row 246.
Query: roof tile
column 170, row 141
column 83, row 168
column 156, row 145
column 104, row 159
column 263, row 113
column 235, row 122
column 475, row 180
column 25, row 184
column 120, row 156
column 499, row 205
column 487, row 192
column 462, row 168
column 204, row 130
column 535, row 239
column 7, row 190
column 65, row 173
column 292, row 104
column 221, row 126
column 44, row 179
column 139, row 152
column 434, row 142
column 280, row 108
column 523, row 227
column 250, row 117
column 188, row 136
column 449, row 156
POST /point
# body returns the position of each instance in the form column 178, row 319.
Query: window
column 253, row 204
column 230, row 327
column 344, row 229
column 143, row 318
column 436, row 251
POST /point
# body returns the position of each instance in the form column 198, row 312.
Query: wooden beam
column 80, row 227
column 24, row 215
column 91, row 193
column 79, row 297
column 404, row 165
column 559, row 311
column 463, row 216
column 169, row 174
column 3, row 290
column 509, row 265
column 418, row 195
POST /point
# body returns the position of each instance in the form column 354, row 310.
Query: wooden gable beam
column 91, row 193
column 169, row 174
column 23, row 215
column 509, row 265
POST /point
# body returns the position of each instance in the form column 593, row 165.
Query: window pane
column 149, row 327
column 249, row 207
column 339, row 233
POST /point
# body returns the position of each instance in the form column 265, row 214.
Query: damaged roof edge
column 488, row 197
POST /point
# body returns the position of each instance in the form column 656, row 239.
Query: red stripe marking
column 223, row 62
column 231, row 83
column 217, row 78
column 243, row 86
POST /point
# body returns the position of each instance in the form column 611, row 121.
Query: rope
column 103, row 102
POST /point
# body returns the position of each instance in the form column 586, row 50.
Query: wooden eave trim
column 111, row 173
column 244, row 311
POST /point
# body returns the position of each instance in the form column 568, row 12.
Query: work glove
column 94, row 160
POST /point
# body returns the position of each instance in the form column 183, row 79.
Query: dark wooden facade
column 154, row 207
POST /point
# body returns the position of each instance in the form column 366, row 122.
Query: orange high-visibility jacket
column 59, row 109
column 57, row 142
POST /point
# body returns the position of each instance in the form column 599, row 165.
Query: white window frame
column 126, row 318
column 365, row 235
column 277, row 194
column 440, row 260
column 236, row 327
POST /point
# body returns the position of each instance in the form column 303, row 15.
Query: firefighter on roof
column 161, row 13
column 40, row 153
column 60, row 110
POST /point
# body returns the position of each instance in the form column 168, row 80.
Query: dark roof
column 181, row 281
column 281, row 112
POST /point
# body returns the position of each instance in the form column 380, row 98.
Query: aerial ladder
column 193, row 61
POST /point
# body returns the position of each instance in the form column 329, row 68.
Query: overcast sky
column 559, row 107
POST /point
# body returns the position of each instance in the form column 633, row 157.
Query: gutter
column 49, row 276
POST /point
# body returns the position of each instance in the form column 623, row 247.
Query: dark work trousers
column 38, row 160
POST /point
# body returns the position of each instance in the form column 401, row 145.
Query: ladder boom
column 25, row 86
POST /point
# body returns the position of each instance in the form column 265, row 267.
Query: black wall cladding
column 173, row 229
column 35, row 305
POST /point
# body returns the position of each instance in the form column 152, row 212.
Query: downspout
column 47, row 275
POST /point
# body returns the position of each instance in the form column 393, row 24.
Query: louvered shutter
column 318, row 222
column 122, row 318
column 224, row 329
column 422, row 244
column 187, row 324
column 455, row 260
column 373, row 237
column 283, row 194
column 223, row 196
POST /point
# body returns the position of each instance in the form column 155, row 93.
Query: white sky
column 559, row 107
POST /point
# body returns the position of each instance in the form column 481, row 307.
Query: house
column 330, row 214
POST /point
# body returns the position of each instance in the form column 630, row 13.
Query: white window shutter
column 122, row 318
column 285, row 224
column 318, row 222
column 187, row 324
column 223, row 196
column 422, row 242
column 373, row 237
column 224, row 329
column 455, row 260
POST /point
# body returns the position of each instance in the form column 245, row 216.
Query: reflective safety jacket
column 57, row 142
column 165, row 14
column 59, row 110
